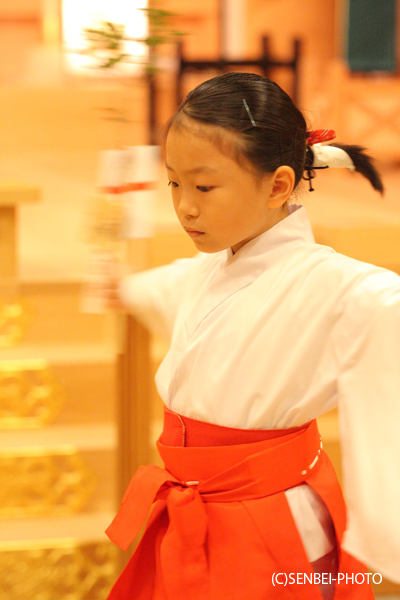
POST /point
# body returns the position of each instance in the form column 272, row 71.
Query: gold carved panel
column 30, row 395
column 60, row 569
column 15, row 317
column 42, row 481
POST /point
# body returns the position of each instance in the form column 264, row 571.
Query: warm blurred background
column 78, row 411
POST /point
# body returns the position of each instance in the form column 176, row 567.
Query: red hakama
column 221, row 527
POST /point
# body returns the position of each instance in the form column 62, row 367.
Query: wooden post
column 11, row 195
column 134, row 388
column 8, row 259
column 133, row 408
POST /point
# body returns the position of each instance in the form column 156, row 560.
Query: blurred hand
column 101, row 290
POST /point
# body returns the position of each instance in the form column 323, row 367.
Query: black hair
column 271, row 131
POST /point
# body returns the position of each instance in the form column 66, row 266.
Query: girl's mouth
column 193, row 233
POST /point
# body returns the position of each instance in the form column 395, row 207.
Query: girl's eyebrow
column 199, row 169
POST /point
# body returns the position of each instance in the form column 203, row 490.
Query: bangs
column 228, row 141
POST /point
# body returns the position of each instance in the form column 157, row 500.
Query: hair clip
column 320, row 135
column 249, row 113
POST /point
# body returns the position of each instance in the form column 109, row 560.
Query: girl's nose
column 187, row 208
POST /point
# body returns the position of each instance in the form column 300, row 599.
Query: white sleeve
column 369, row 413
column 153, row 296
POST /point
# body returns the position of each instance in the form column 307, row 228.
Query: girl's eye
column 204, row 188
column 172, row 183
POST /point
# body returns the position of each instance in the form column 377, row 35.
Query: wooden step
column 80, row 527
column 83, row 437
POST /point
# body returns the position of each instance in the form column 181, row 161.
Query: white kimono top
column 276, row 335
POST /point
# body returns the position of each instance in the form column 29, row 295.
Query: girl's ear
column 282, row 185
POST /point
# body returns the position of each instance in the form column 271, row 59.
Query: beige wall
column 51, row 128
column 311, row 21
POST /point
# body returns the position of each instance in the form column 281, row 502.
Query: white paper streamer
column 329, row 156
column 132, row 175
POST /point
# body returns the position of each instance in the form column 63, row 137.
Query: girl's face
column 220, row 203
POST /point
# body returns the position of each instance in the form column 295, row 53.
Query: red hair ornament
column 325, row 156
column 319, row 136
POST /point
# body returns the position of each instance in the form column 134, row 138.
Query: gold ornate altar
column 54, row 449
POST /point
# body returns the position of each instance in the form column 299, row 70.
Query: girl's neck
column 280, row 214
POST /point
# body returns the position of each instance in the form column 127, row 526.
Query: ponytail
column 363, row 164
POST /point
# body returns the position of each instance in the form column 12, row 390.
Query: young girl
column 268, row 331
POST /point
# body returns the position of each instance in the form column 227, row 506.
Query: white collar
column 233, row 272
column 294, row 230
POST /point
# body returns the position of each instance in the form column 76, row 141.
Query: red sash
column 221, row 526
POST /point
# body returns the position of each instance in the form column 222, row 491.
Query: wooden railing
column 265, row 63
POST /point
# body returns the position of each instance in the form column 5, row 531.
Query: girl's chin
column 207, row 246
